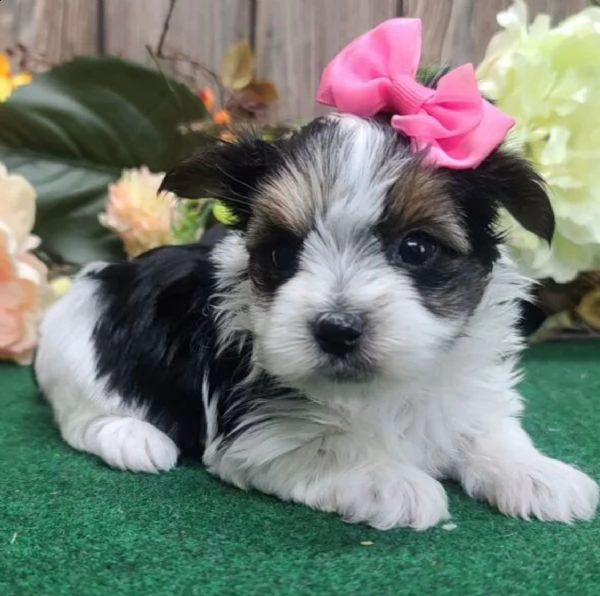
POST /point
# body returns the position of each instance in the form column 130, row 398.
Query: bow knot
column 406, row 93
column 376, row 73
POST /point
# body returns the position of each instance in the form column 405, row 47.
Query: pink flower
column 24, row 290
column 136, row 214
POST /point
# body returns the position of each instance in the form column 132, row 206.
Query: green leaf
column 75, row 128
column 429, row 74
column 193, row 216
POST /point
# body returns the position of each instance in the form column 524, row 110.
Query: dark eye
column 284, row 258
column 417, row 249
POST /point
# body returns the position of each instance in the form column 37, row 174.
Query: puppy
column 350, row 343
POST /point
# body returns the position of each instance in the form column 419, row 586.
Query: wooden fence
column 292, row 39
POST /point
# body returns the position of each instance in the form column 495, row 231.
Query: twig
column 14, row 537
column 165, row 29
column 159, row 54
column 101, row 27
column 25, row 60
column 203, row 69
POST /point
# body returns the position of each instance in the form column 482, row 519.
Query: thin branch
column 179, row 58
column 101, row 27
column 207, row 72
column 159, row 54
column 165, row 29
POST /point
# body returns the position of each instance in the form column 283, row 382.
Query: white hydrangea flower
column 548, row 79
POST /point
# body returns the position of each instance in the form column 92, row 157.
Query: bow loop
column 376, row 73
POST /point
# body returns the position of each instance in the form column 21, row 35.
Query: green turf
column 69, row 525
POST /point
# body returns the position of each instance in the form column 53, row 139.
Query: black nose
column 338, row 333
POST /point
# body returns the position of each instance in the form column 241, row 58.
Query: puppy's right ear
column 228, row 171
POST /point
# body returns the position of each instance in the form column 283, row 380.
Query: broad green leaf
column 75, row 128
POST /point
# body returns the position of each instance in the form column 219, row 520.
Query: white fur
column 504, row 468
column 374, row 452
column 90, row 418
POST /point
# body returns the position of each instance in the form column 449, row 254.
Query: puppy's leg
column 505, row 468
column 91, row 418
column 123, row 442
column 331, row 474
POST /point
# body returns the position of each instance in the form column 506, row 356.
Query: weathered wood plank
column 131, row 25
column 200, row 29
column 296, row 38
column 558, row 9
column 15, row 21
column 56, row 29
column 457, row 31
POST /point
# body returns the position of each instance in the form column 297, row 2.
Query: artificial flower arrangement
column 97, row 187
column 24, row 288
column 132, row 210
column 548, row 79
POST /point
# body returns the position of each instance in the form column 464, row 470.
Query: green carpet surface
column 70, row 525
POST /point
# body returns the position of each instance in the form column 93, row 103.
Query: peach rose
column 24, row 290
column 136, row 214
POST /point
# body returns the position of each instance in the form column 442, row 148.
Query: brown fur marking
column 420, row 201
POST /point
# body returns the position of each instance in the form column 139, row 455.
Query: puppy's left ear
column 228, row 171
column 511, row 182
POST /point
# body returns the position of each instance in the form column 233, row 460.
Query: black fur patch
column 229, row 171
column 263, row 271
column 509, row 181
column 453, row 286
column 454, row 283
column 156, row 345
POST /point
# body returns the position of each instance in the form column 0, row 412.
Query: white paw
column 130, row 444
column 545, row 488
column 384, row 499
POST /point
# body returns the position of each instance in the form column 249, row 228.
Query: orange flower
column 8, row 81
column 221, row 117
column 24, row 290
column 207, row 97
column 136, row 214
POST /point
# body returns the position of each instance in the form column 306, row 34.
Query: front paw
column 545, row 488
column 383, row 499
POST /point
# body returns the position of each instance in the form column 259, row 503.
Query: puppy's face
column 359, row 257
column 359, row 261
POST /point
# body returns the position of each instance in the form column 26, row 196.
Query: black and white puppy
column 348, row 345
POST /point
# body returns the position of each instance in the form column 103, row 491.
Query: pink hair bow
column 376, row 73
